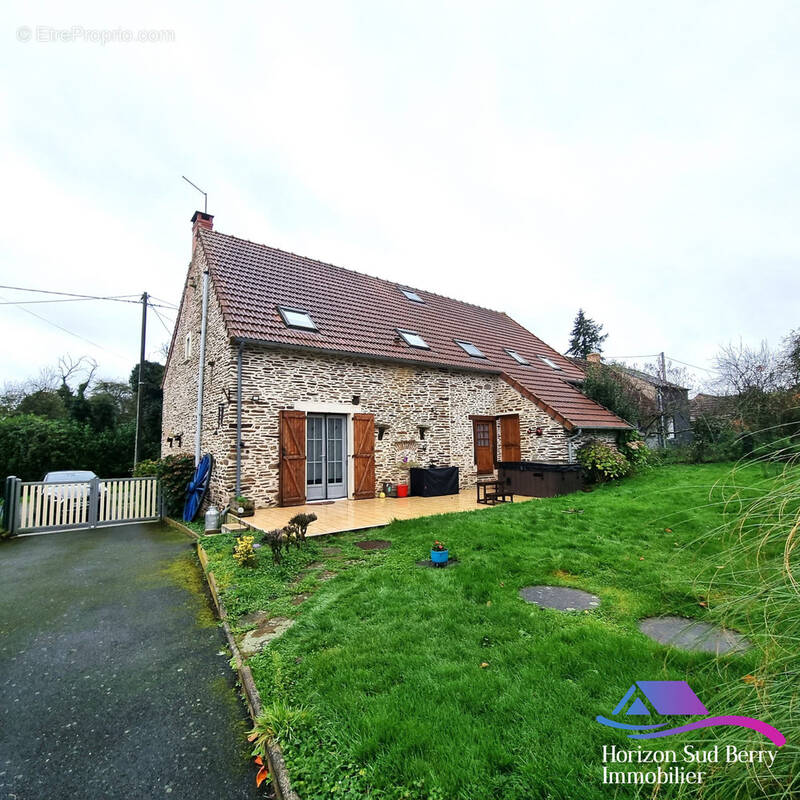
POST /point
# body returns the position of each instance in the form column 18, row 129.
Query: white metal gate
column 35, row 506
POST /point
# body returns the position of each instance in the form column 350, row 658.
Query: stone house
column 663, row 406
column 314, row 382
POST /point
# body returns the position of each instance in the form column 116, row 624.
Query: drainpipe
column 571, row 445
column 239, row 421
column 198, row 434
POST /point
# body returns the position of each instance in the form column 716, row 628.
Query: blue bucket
column 439, row 556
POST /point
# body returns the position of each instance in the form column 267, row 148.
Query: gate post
column 7, row 503
column 11, row 504
column 94, row 501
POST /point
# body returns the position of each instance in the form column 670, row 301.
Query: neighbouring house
column 712, row 405
column 663, row 406
column 319, row 382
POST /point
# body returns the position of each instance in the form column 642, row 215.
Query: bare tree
column 790, row 357
column 742, row 369
column 81, row 370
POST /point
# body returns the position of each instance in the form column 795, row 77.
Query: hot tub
column 539, row 479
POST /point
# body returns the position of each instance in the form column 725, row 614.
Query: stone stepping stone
column 300, row 598
column 374, row 544
column 451, row 562
column 333, row 550
column 253, row 641
column 560, row 598
column 693, row 635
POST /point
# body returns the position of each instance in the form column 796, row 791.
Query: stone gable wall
column 550, row 446
column 180, row 385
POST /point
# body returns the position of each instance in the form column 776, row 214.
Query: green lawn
column 385, row 658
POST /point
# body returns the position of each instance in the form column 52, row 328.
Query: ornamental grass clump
column 757, row 583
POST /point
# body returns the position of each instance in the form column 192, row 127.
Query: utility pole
column 141, row 381
column 662, row 371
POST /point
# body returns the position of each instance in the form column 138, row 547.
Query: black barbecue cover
column 433, row 481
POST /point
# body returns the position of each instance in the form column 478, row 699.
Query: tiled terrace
column 351, row 515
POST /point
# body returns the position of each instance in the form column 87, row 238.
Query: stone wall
column 402, row 399
column 180, row 385
column 550, row 446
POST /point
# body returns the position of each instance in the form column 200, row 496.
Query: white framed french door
column 326, row 456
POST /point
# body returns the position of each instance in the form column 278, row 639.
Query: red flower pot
column 402, row 490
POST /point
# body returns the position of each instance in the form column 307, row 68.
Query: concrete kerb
column 174, row 523
column 277, row 766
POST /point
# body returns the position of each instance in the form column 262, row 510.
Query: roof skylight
column 550, row 362
column 517, row 357
column 413, row 339
column 469, row 348
column 412, row 295
column 297, row 318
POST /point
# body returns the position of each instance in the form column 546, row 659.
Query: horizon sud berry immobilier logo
column 675, row 699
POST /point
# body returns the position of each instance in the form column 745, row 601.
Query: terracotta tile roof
column 360, row 314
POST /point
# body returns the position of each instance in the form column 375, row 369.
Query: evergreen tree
column 587, row 337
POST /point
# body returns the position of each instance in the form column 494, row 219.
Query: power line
column 650, row 355
column 160, row 319
column 71, row 333
column 117, row 299
column 59, row 300
column 165, row 302
column 669, row 357
column 693, row 366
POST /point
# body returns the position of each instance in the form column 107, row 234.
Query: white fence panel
column 37, row 506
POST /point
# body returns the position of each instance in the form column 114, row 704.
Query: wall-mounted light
column 356, row 399
column 422, row 429
column 381, row 430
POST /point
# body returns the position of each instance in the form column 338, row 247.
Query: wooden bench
column 492, row 492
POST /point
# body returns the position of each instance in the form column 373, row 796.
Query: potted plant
column 439, row 554
column 242, row 506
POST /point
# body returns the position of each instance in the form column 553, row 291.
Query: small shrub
column 602, row 462
column 301, row 523
column 175, row 473
column 293, row 535
column 633, row 446
column 275, row 540
column 243, row 552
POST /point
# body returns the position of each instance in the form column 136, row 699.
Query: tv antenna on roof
column 205, row 195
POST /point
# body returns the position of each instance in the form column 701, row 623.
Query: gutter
column 198, row 434
column 571, row 445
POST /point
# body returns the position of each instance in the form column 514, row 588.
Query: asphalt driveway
column 114, row 682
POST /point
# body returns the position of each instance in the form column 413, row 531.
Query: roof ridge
column 206, row 232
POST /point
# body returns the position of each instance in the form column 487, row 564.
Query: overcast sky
column 637, row 159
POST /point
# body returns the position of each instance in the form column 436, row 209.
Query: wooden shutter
column 364, row 456
column 292, row 477
column 510, row 438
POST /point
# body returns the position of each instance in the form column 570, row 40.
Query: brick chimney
column 594, row 358
column 200, row 219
